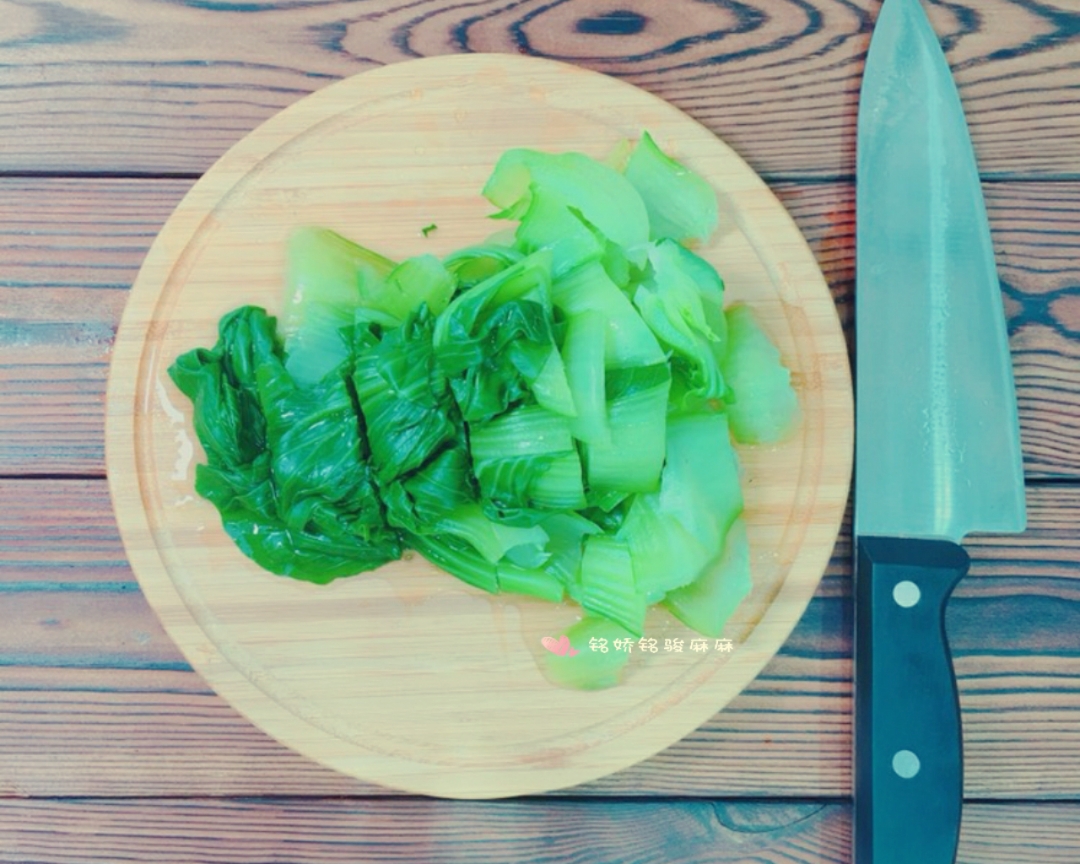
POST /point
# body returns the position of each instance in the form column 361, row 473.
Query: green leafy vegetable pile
column 550, row 415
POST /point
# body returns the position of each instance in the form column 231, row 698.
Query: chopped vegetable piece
column 670, row 302
column 631, row 460
column 549, row 223
column 607, row 583
column 701, row 485
column 526, row 458
column 495, row 343
column 550, row 387
column 491, row 539
column 324, row 267
column 583, row 354
column 629, row 342
column 432, row 493
column 473, row 264
column 321, row 344
column 286, row 466
column 416, row 281
column 566, row 544
column 591, row 668
column 706, row 604
column 406, row 404
column 533, row 581
column 315, row 449
column 763, row 407
column 681, row 204
column 673, row 533
column 663, row 553
column 328, row 279
column 458, row 559
column 602, row 195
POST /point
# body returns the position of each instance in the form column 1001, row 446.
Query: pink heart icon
column 560, row 646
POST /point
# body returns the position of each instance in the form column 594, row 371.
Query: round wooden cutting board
column 406, row 677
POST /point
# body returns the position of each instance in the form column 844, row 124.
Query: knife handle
column 909, row 777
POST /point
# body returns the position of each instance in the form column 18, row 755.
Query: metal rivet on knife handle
column 905, row 764
column 906, row 593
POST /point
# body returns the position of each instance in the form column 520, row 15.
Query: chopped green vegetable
column 285, row 465
column 533, row 581
column 673, row 533
column 549, row 223
column 474, row 264
column 566, row 544
column 548, row 413
column 706, row 604
column 430, row 494
column 407, row 408
column 583, row 353
column 763, row 407
column 457, row 558
column 329, row 280
column 629, row 340
column 527, row 458
column 603, row 196
column 422, row 280
column 671, row 303
column 633, row 456
column 325, row 268
column 602, row 655
column 663, row 553
column 607, row 583
column 496, row 343
column 681, row 204
column 491, row 539
column 427, row 229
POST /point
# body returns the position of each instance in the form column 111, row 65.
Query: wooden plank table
column 112, row 748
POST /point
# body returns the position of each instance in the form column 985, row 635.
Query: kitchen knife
column 937, row 435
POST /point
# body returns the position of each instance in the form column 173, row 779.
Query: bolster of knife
column 908, row 780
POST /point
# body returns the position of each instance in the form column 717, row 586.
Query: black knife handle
column 909, row 774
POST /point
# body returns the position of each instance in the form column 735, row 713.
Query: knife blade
column 937, row 434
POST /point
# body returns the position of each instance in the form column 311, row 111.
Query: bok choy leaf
column 548, row 412
column 286, row 465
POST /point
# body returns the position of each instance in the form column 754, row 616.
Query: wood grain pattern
column 70, row 249
column 441, row 832
column 169, row 87
column 95, row 701
column 96, row 730
column 431, row 832
column 86, row 671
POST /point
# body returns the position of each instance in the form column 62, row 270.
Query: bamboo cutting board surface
column 407, row 677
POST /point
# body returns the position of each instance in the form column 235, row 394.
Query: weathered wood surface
column 70, row 248
column 112, row 749
column 439, row 832
column 426, row 832
column 153, row 87
column 87, row 672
